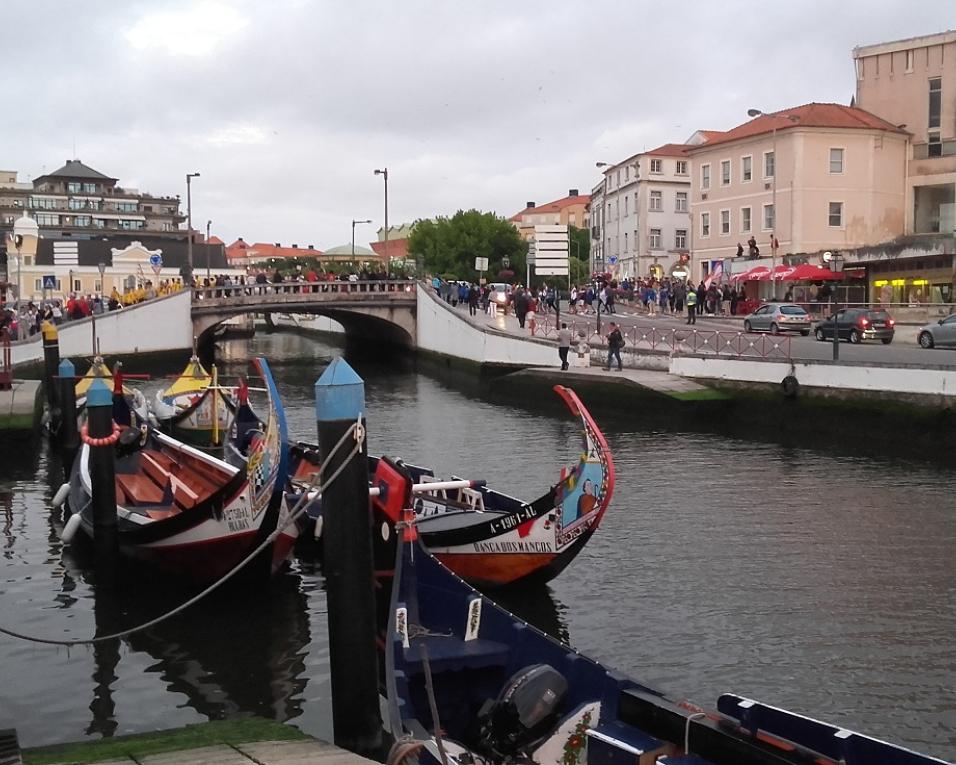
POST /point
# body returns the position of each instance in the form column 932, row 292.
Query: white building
column 640, row 214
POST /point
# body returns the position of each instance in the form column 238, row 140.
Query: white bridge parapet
column 162, row 324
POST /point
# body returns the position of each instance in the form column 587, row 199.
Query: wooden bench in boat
column 137, row 489
column 188, row 489
column 190, row 475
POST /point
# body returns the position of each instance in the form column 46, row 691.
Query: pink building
column 812, row 178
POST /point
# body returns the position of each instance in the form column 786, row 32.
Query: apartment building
column 912, row 83
column 812, row 178
column 79, row 202
column 641, row 214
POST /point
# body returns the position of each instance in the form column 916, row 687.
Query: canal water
column 823, row 582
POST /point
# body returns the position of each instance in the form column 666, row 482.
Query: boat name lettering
column 513, row 547
column 513, row 520
column 238, row 518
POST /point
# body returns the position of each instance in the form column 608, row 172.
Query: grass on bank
column 143, row 744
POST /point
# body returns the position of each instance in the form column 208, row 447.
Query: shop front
column 913, row 281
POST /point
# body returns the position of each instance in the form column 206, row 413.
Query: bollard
column 51, row 362
column 347, row 565
column 102, row 464
column 67, row 435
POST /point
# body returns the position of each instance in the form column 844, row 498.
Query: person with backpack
column 615, row 341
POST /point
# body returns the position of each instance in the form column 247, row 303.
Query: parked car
column 777, row 318
column 941, row 333
column 500, row 295
column 858, row 324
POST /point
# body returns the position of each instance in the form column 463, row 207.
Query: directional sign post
column 481, row 265
column 551, row 250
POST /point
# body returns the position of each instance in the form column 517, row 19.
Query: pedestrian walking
column 564, row 345
column 615, row 341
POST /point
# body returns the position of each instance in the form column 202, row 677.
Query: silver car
column 940, row 333
column 777, row 318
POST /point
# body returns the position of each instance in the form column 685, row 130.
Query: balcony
column 932, row 150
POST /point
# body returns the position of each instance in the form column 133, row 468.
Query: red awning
column 809, row 272
column 748, row 276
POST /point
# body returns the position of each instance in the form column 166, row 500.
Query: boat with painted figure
column 195, row 408
column 487, row 537
column 467, row 682
column 190, row 514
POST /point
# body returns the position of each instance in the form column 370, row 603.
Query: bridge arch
column 380, row 311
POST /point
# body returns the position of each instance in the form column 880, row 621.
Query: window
column 657, row 200
column 129, row 225
column 625, row 242
column 73, row 188
column 680, row 202
column 746, row 169
column 626, row 203
column 655, row 239
column 935, row 101
column 909, row 60
column 724, row 222
column 39, row 203
column 836, row 161
column 167, row 226
column 725, row 172
column 45, row 219
column 769, row 164
column 126, row 206
column 705, row 177
column 935, row 148
column 82, row 220
column 627, row 173
column 680, row 239
column 682, row 167
column 745, row 220
column 89, row 188
column 77, row 204
column 836, row 214
column 705, row 224
column 99, row 223
column 768, row 218
column 77, row 285
column 657, row 166
column 618, row 177
column 97, row 286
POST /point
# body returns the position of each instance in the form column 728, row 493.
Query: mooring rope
column 356, row 430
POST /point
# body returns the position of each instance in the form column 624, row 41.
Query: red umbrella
column 753, row 274
column 780, row 273
column 809, row 272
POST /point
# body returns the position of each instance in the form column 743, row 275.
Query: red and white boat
column 192, row 515
column 486, row 537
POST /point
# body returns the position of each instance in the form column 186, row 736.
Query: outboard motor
column 525, row 712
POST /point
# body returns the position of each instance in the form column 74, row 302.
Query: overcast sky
column 287, row 106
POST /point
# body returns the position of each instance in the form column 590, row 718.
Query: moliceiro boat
column 188, row 513
column 467, row 682
column 487, row 537
column 195, row 408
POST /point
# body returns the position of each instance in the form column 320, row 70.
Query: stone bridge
column 383, row 311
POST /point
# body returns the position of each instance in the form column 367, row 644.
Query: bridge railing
column 729, row 343
column 255, row 289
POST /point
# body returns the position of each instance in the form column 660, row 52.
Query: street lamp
column 26, row 232
column 604, row 207
column 384, row 173
column 354, row 222
column 835, row 261
column 773, row 193
column 208, row 226
column 101, row 267
column 189, row 223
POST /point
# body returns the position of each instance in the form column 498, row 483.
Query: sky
column 286, row 107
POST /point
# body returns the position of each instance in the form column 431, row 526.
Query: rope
column 298, row 509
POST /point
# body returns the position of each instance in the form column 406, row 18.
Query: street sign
column 49, row 282
column 551, row 250
column 156, row 259
column 531, row 254
column 481, row 264
column 612, row 259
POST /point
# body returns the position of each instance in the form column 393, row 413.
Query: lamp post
column 189, row 223
column 354, row 222
column 835, row 261
column 26, row 232
column 384, row 173
column 773, row 192
column 101, row 267
column 208, row 226
column 604, row 208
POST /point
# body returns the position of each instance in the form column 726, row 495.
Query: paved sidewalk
column 259, row 753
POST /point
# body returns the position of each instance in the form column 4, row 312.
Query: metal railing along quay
column 264, row 289
column 719, row 342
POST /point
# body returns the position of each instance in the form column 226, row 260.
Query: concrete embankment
column 21, row 406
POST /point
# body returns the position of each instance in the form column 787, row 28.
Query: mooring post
column 100, row 437
column 51, row 362
column 347, row 564
column 67, row 434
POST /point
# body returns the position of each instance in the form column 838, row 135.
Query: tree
column 449, row 246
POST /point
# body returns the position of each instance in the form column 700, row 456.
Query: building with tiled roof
column 801, row 180
column 241, row 253
column 640, row 214
column 572, row 210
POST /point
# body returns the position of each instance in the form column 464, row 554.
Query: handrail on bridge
column 255, row 289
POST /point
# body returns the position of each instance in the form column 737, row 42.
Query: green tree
column 449, row 246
